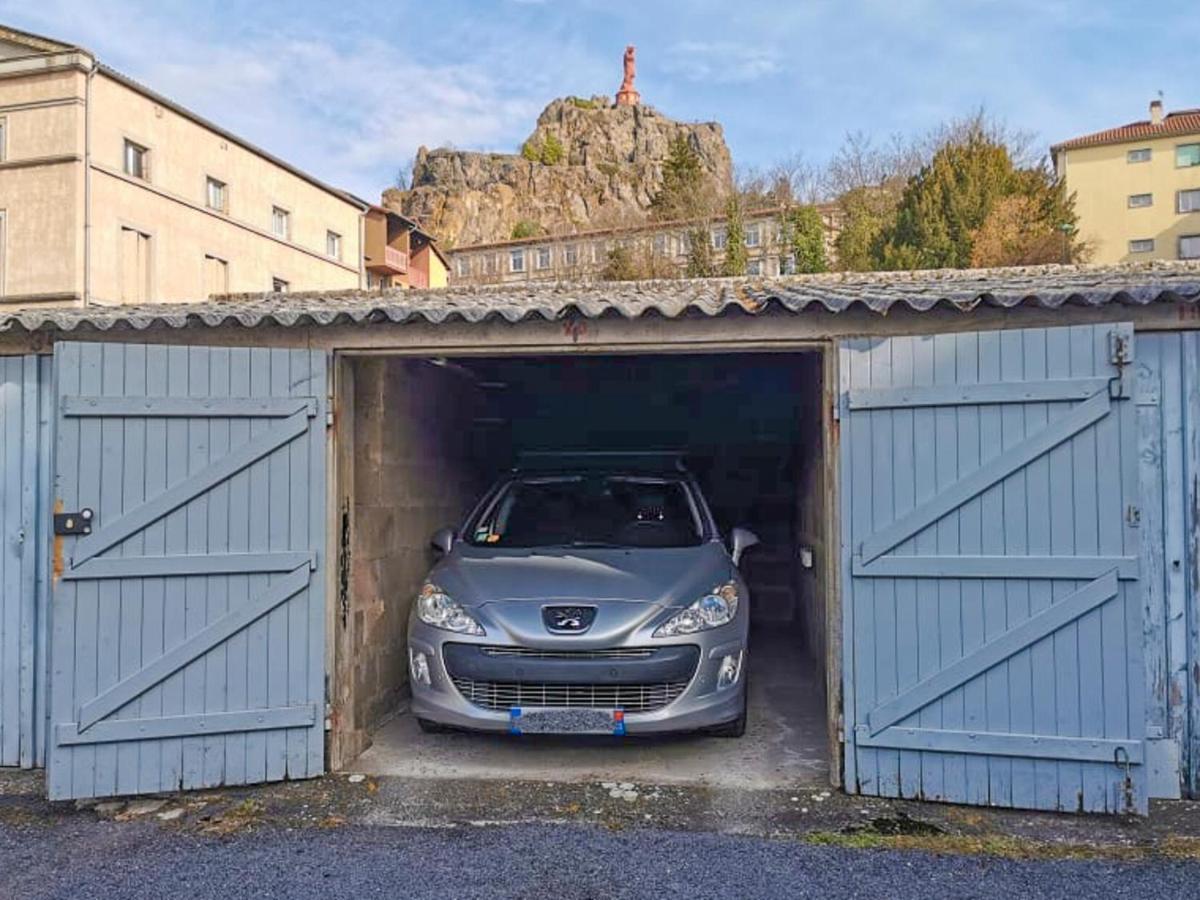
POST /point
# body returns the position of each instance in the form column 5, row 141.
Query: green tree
column 620, row 265
column 736, row 256
column 682, row 193
column 947, row 203
column 866, row 214
column 802, row 233
column 525, row 229
column 699, row 253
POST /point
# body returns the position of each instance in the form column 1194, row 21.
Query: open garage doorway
column 420, row 439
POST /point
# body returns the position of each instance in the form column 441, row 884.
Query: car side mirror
column 741, row 540
column 443, row 540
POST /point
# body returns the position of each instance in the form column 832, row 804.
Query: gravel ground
column 88, row 858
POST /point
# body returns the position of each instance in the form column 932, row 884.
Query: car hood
column 630, row 588
column 475, row 576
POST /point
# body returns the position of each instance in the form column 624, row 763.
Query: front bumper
column 700, row 705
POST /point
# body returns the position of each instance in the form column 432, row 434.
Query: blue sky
column 349, row 90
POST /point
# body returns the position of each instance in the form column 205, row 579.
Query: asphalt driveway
column 113, row 860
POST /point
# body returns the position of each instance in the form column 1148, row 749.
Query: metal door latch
column 73, row 523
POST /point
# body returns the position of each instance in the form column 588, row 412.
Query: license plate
column 566, row 721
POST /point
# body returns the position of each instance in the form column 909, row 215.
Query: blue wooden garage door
column 24, row 411
column 992, row 616
column 187, row 622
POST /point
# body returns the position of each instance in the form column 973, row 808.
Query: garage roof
column 1049, row 287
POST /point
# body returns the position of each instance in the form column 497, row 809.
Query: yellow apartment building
column 111, row 194
column 1137, row 187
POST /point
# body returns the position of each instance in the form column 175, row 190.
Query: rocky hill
column 588, row 164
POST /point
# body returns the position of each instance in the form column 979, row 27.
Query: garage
column 966, row 487
column 431, row 434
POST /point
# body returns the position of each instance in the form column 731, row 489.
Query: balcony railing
column 394, row 262
column 395, row 259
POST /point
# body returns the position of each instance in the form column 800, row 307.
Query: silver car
column 585, row 600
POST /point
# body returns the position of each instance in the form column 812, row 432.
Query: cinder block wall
column 412, row 473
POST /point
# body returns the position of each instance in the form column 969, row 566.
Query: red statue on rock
column 627, row 95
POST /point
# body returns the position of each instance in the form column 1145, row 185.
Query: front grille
column 634, row 698
column 531, row 653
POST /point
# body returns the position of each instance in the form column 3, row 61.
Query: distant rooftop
column 1180, row 122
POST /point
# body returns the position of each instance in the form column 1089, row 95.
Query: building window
column 137, row 161
column 1189, row 246
column 1187, row 201
column 216, row 275
column 516, row 261
column 754, row 267
column 462, row 267
column 660, row 245
column 281, row 222
column 279, row 285
column 333, row 244
column 489, row 264
column 215, row 194
column 1187, row 155
column 136, row 266
column 787, row 264
column 1141, row 245
column 720, row 238
column 1137, row 201
column 752, row 236
column 570, row 255
column 543, row 257
column 1141, row 154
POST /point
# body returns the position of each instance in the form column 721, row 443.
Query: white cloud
column 720, row 62
column 346, row 107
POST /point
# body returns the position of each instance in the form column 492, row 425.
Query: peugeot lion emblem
column 568, row 619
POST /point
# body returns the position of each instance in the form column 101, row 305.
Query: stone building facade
column 658, row 249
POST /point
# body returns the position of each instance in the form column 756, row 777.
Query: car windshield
column 589, row 511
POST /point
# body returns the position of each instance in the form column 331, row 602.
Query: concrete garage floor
column 784, row 745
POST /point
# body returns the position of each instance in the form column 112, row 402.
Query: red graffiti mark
column 575, row 329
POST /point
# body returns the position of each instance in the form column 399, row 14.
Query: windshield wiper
column 594, row 544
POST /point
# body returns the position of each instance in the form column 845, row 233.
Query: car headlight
column 434, row 607
column 710, row 611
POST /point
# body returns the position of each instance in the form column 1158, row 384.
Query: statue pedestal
column 628, row 97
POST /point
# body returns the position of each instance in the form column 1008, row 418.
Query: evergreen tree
column 802, row 233
column 946, row 206
column 736, row 256
column 682, row 192
column 699, row 255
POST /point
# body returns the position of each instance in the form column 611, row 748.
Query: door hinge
column 1133, row 515
column 329, row 418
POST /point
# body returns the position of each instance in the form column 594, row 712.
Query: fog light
column 731, row 666
column 418, row 665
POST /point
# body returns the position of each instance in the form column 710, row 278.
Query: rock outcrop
column 587, row 165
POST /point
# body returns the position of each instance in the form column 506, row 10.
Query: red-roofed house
column 1137, row 186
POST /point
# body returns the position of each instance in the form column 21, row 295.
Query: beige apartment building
column 111, row 194
column 660, row 249
column 1137, row 187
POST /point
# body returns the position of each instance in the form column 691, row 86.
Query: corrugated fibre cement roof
column 1048, row 287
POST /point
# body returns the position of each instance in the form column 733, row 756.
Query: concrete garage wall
column 812, row 584
column 406, row 471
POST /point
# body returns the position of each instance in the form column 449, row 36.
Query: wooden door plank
column 983, row 394
column 143, row 406
column 1041, row 625
column 195, row 725
column 190, row 649
column 175, row 497
column 190, row 564
column 1070, row 568
column 1040, row 746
